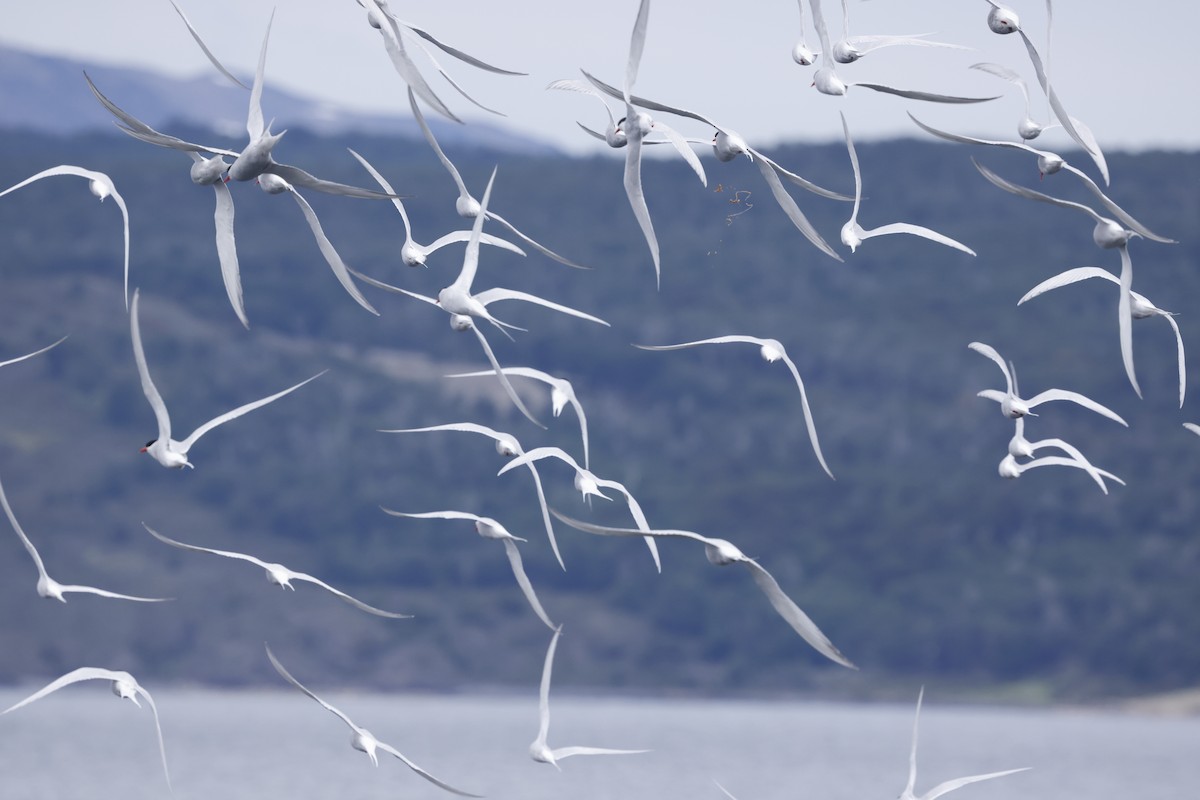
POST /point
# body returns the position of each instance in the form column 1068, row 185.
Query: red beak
column 142, row 450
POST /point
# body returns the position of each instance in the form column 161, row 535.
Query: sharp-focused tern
column 278, row 574
column 722, row 553
column 489, row 528
column 122, row 684
column 539, row 750
column 164, row 449
column 771, row 350
column 362, row 739
column 49, row 588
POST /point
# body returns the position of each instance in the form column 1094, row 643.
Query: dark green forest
column 920, row 562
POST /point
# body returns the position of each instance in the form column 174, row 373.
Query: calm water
column 84, row 743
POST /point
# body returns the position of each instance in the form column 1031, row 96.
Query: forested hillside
column 919, row 561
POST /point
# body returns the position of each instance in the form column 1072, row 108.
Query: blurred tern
column 1020, row 447
column 123, row 685
column 722, row 553
column 278, row 574
column 854, row 234
column 941, row 788
column 489, row 528
column 19, row 359
column 1108, row 235
column 99, row 185
column 165, row 450
column 1140, row 308
column 1027, row 128
column 589, row 485
column 362, row 739
column 1013, row 406
column 539, row 750
column 49, row 588
column 507, row 446
column 771, row 350
column 802, row 54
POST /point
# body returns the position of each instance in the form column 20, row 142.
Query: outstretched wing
column 220, row 68
column 794, row 616
column 187, row 443
column 74, row 676
column 514, row 559
column 387, row 748
column 288, row 676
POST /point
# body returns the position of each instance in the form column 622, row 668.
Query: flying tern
column 362, row 739
column 489, row 528
column 1020, row 447
column 722, row 552
column 49, row 588
column 122, row 684
column 1013, row 406
column 165, row 450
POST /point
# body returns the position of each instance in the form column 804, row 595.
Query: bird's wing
column 75, row 589
column 956, row 137
column 1121, row 214
column 537, row 454
column 508, row 387
column 1074, row 453
column 566, row 752
column 254, row 116
column 637, row 198
column 227, row 251
column 74, row 676
column 912, row 753
column 470, row 265
column 1193, row 427
column 140, row 130
column 719, row 786
column 331, row 255
column 387, row 187
column 541, row 494
column 162, row 747
column 34, row 353
column 239, row 411
column 388, row 287
column 420, row 118
column 788, row 204
column 794, row 616
column 514, row 558
column 220, row 68
column 916, row 230
column 929, row 97
column 547, row 252
column 405, row 68
column 288, row 677
column 803, row 183
column 459, row 54
column 822, row 31
column 462, row 236
column 649, row 104
column 434, row 514
column 37, row 559
column 488, row 296
column 1030, row 194
column 1125, row 318
column 360, row 605
column 387, row 748
column 680, row 143
column 808, row 418
column 1074, row 397
column 637, row 44
column 467, row 427
column 957, row 783
column 604, row 530
column 853, row 163
column 639, row 517
column 867, row 43
column 1179, row 350
column 990, row 352
column 298, row 177
column 1068, row 277
column 148, row 387
column 198, row 549
column 544, row 690
column 450, row 80
column 714, row 340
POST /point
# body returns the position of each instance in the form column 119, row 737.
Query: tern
column 728, row 144
column 1013, row 406
column 489, row 528
column 561, row 393
column 414, row 254
column 362, row 739
column 1020, row 447
column 123, row 685
column 278, row 574
column 507, row 446
column 466, row 205
column 802, row 54
column 1108, row 235
column 99, row 185
column 19, row 359
column 1140, row 308
column 538, row 749
column 589, row 485
column 941, row 788
column 722, row 552
column 1049, row 164
column 49, row 588
column 771, row 351
column 853, row 234
column 165, row 450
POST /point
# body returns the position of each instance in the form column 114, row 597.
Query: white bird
column 489, row 528
column 1012, row 406
column 849, row 48
column 18, row 359
column 99, row 185
column 507, row 446
column 1108, row 235
column 1020, row 447
column 414, row 254
column 539, row 750
column 165, row 450
column 728, row 144
column 273, row 184
column 561, row 393
column 1140, row 308
column 589, row 485
column 853, row 234
column 722, row 553
column 196, row 35
column 941, row 788
column 278, row 574
column 771, row 351
column 802, row 54
column 49, row 588
column 467, row 206
column 1048, row 164
column 123, row 685
column 362, row 739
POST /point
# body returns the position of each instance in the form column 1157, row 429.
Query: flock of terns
column 629, row 128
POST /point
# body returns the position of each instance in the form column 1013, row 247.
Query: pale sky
column 1108, row 60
